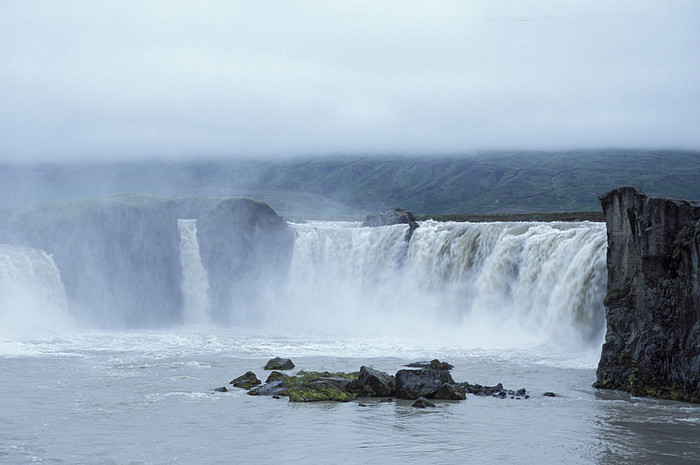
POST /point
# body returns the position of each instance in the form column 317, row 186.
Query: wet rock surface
column 246, row 381
column 652, row 344
column 422, row 402
column 432, row 381
column 373, row 383
column 278, row 363
column 389, row 217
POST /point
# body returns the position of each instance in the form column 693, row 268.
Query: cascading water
column 32, row 296
column 479, row 284
column 195, row 283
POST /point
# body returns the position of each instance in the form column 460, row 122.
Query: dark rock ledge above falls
column 652, row 345
column 390, row 217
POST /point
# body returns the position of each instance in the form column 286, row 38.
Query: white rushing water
column 32, row 296
column 474, row 284
column 195, row 283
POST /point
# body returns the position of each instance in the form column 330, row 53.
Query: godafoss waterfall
column 120, row 317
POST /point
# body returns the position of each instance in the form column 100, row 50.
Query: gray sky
column 93, row 79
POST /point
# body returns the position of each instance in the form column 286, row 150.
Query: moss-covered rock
column 246, row 381
column 278, row 363
column 276, row 376
column 309, row 386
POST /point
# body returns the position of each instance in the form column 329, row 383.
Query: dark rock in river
column 434, row 364
column 652, row 344
column 426, row 382
column 310, row 387
column 278, row 363
column 422, row 402
column 373, row 383
column 494, row 391
column 246, row 381
column 276, row 376
column 450, row 392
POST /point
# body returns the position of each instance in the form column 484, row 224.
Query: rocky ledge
column 431, row 380
column 389, row 217
column 652, row 344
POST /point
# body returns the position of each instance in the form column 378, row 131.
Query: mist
column 168, row 80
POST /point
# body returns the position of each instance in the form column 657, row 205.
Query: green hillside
column 323, row 187
column 487, row 183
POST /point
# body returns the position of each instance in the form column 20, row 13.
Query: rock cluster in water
column 652, row 345
column 430, row 381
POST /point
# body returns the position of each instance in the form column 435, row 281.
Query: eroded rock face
column 373, row 383
column 245, row 246
column 389, row 217
column 652, row 345
column 426, row 382
column 119, row 256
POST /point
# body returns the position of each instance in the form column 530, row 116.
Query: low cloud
column 182, row 79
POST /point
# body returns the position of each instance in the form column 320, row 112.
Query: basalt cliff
column 652, row 344
column 120, row 259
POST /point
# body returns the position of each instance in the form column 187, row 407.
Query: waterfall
column 479, row 283
column 32, row 296
column 195, row 283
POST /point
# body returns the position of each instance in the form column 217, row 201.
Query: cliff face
column 652, row 344
column 119, row 257
column 246, row 249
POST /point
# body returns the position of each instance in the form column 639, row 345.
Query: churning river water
column 515, row 303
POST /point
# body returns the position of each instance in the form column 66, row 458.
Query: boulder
column 426, row 382
column 276, row 376
column 652, row 308
column 373, row 383
column 434, row 364
column 309, row 387
column 494, row 391
column 278, row 363
column 273, row 388
column 450, row 392
column 422, row 402
column 246, row 381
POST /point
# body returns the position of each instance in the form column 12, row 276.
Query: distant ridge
column 352, row 186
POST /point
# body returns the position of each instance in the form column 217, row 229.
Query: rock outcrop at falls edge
column 389, row 217
column 245, row 246
column 652, row 345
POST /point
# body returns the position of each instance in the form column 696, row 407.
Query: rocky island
column 652, row 344
column 420, row 381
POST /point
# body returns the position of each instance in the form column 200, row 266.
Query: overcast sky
column 93, row 79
